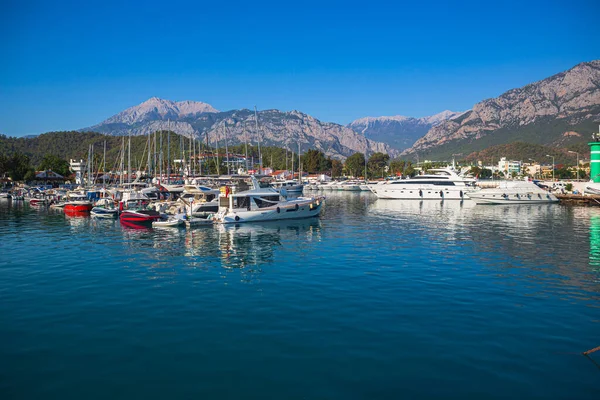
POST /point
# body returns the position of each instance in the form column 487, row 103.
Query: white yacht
column 513, row 192
column 438, row 184
column 264, row 204
column 201, row 201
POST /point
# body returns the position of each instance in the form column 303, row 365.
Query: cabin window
column 266, row 201
column 241, row 202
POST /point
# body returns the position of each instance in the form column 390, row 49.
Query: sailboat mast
column 129, row 161
column 169, row 152
column 122, row 157
column 227, row 151
column 258, row 137
column 104, row 166
column 299, row 165
column 246, row 140
column 160, row 157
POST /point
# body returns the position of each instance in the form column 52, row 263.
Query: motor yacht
column 513, row 192
column 438, row 183
column 264, row 204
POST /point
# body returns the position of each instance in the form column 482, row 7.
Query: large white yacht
column 264, row 204
column 513, row 192
column 438, row 184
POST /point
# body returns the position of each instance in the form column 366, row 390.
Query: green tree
column 377, row 162
column 56, row 164
column 355, row 163
column 18, row 166
column 336, row 168
column 312, row 161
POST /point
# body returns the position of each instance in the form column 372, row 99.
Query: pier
column 579, row 199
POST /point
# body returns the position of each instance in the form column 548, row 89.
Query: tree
column 355, row 163
column 377, row 163
column 18, row 166
column 312, row 161
column 56, row 164
column 336, row 168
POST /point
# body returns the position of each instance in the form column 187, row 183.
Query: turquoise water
column 376, row 299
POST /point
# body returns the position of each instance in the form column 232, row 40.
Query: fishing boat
column 264, row 204
column 513, row 192
column 439, row 183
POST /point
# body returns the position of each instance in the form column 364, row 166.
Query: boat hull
column 78, row 207
column 145, row 217
column 421, row 193
column 292, row 210
column 100, row 212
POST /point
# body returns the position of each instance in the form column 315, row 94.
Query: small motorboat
column 103, row 212
column 78, row 206
column 168, row 223
column 38, row 202
column 140, row 217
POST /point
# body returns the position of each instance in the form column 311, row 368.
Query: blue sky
column 69, row 65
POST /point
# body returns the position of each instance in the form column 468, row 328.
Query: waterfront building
column 508, row 167
column 78, row 167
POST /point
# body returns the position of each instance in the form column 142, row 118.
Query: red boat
column 140, row 217
column 38, row 202
column 78, row 206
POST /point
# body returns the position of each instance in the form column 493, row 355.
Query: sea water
column 375, row 299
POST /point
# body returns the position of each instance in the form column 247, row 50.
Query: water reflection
column 254, row 244
column 595, row 242
column 535, row 242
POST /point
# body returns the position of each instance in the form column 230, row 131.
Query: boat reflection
column 247, row 245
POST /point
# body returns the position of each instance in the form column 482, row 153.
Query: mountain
column 398, row 131
column 560, row 110
column 276, row 128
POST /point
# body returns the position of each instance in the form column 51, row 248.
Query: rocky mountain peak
column 570, row 97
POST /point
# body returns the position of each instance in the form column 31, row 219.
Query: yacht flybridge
column 439, row 183
column 264, row 204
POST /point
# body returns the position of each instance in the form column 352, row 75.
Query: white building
column 508, row 167
column 78, row 167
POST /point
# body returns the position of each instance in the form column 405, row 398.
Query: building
column 509, row 167
column 78, row 167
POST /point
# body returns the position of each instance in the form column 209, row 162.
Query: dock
column 579, row 199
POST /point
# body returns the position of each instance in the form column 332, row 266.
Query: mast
column 227, row 151
column 160, row 158
column 190, row 156
column 217, row 159
column 149, row 154
column 169, row 152
column 129, row 161
column 104, row 166
column 258, row 136
column 246, row 140
column 299, row 165
column 122, row 157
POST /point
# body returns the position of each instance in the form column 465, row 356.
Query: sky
column 69, row 65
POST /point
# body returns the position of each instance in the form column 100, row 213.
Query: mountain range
column 559, row 111
column 291, row 129
column 398, row 131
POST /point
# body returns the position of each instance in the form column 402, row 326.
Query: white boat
column 592, row 188
column 439, row 183
column 513, row 192
column 288, row 188
column 202, row 200
column 171, row 222
column 264, row 204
